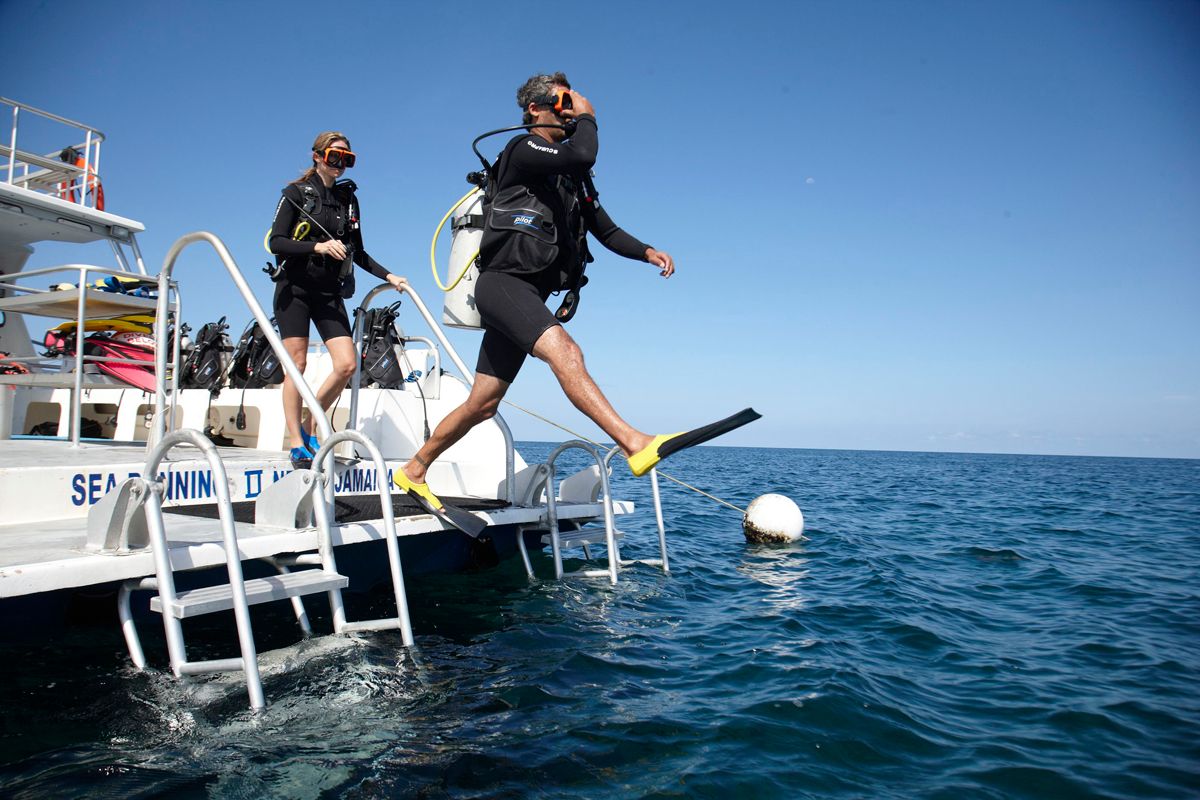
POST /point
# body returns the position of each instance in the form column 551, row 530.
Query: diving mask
column 337, row 157
column 559, row 102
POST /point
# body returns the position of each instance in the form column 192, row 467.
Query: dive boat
column 112, row 482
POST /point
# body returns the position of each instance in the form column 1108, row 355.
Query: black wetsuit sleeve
column 360, row 254
column 536, row 156
column 369, row 264
column 281, row 241
column 600, row 225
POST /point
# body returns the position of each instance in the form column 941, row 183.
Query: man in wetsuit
column 533, row 245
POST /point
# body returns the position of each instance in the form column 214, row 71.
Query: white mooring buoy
column 773, row 519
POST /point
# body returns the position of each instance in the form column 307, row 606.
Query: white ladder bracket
column 582, row 487
column 116, row 523
column 530, row 486
column 287, row 503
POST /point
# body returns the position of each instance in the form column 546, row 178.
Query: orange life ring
column 92, row 185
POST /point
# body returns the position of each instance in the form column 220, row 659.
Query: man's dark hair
column 534, row 88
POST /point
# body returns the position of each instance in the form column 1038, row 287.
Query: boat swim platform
column 50, row 554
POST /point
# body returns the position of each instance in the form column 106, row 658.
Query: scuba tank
column 466, row 233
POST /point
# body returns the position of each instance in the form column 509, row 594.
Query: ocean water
column 981, row 626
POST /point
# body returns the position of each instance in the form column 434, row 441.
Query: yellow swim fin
column 130, row 323
column 453, row 516
column 665, row 444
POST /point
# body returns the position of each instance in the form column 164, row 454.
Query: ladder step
column 210, row 599
column 213, row 665
column 385, row 624
column 586, row 535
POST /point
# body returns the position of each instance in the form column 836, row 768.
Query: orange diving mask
column 337, row 157
column 559, row 102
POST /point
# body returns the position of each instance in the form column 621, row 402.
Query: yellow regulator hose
column 433, row 247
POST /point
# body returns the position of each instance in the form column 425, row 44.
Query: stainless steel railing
column 166, row 289
column 53, row 169
column 264, row 322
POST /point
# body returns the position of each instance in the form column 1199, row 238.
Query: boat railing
column 81, row 303
column 49, row 173
column 264, row 321
column 468, row 376
column 435, row 371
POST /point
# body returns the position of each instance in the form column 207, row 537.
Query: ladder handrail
column 233, row 558
column 658, row 512
column 264, row 322
column 323, row 512
column 614, row 556
column 468, row 376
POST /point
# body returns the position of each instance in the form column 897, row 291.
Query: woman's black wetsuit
column 534, row 241
column 310, row 287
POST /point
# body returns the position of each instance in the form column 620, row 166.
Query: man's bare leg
column 559, row 350
column 481, row 404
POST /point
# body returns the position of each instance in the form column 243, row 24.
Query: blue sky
column 960, row 226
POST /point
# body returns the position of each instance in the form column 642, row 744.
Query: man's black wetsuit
column 310, row 287
column 534, row 241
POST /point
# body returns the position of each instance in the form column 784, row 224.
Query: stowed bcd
column 255, row 364
column 381, row 346
column 207, row 359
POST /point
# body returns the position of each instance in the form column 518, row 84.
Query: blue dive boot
column 302, row 457
column 310, row 441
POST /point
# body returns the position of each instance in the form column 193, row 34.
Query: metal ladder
column 299, row 490
column 595, row 477
column 239, row 594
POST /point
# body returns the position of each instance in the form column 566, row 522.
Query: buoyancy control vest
column 317, row 221
column 533, row 226
column 208, row 358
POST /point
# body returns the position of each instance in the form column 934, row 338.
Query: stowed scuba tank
column 466, row 234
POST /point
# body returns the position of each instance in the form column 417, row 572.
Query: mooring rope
column 580, row 436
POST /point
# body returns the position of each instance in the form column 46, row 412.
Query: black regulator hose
column 568, row 126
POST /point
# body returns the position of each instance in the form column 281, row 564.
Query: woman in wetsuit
column 317, row 236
